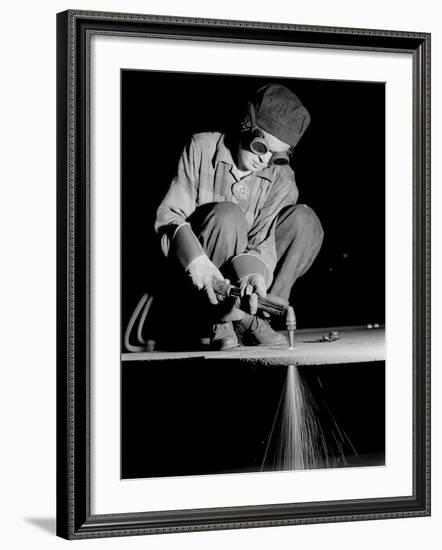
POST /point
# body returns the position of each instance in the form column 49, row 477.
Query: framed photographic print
column 243, row 274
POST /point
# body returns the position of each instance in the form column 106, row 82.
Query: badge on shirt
column 240, row 190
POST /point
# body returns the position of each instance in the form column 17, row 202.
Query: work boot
column 257, row 331
column 223, row 336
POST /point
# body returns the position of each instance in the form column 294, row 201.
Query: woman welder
column 231, row 211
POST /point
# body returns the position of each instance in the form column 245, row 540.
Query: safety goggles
column 254, row 140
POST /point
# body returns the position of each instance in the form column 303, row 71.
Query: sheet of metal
column 311, row 347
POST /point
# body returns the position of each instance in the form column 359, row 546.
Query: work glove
column 203, row 273
column 252, row 286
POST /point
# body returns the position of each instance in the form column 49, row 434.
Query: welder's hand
column 251, row 287
column 202, row 273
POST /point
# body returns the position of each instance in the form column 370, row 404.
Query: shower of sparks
column 297, row 440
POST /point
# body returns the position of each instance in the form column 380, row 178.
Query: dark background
column 196, row 418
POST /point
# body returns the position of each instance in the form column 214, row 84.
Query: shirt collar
column 223, row 154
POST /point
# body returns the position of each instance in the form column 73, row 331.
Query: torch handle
column 272, row 305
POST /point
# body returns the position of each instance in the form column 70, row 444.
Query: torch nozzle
column 290, row 322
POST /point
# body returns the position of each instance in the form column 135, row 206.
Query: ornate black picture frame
column 74, row 397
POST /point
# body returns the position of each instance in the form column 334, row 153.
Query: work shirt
column 207, row 173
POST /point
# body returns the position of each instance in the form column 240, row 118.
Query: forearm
column 184, row 245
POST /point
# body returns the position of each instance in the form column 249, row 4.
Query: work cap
column 279, row 112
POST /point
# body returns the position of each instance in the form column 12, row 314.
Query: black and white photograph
column 252, row 274
column 243, row 287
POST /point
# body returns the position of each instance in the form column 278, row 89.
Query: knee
column 224, row 218
column 229, row 215
column 303, row 218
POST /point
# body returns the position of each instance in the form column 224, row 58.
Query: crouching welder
column 231, row 212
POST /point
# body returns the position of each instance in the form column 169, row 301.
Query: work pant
column 222, row 230
column 180, row 316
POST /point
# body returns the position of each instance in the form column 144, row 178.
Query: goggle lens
column 258, row 146
column 280, row 158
